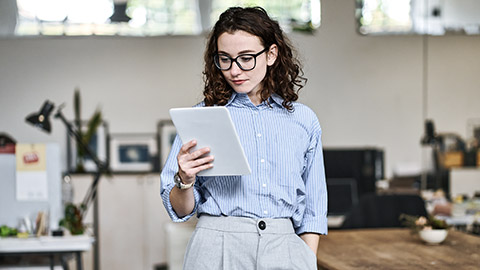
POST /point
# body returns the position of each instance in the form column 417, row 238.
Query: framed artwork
column 77, row 161
column 166, row 134
column 133, row 152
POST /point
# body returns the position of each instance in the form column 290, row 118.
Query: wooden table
column 396, row 249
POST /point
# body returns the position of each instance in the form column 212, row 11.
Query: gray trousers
column 243, row 243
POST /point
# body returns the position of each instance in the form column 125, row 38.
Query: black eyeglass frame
column 254, row 55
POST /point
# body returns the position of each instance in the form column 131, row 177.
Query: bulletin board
column 12, row 210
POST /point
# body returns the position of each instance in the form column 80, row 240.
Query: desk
column 48, row 245
column 396, row 249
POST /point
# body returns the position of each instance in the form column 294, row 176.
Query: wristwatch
column 179, row 184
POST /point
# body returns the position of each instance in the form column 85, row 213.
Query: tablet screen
column 213, row 127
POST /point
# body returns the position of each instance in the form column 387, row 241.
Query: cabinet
column 131, row 220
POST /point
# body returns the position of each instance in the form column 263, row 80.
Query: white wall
column 367, row 91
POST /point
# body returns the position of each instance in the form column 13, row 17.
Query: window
column 296, row 15
column 141, row 17
column 106, row 17
column 384, row 16
column 432, row 17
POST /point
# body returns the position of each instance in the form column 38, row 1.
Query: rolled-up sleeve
column 167, row 183
column 315, row 216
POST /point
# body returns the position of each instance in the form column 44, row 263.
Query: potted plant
column 73, row 215
column 73, row 220
column 92, row 126
column 430, row 229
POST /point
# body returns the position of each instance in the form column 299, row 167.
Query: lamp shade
column 119, row 13
column 42, row 119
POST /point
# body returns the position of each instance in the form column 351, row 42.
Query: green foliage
column 305, row 28
column 92, row 126
column 73, row 220
column 77, row 109
column 437, row 223
column 418, row 223
column 6, row 231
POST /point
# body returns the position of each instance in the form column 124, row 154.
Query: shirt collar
column 243, row 98
column 277, row 99
column 232, row 98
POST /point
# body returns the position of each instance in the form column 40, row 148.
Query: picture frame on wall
column 99, row 144
column 134, row 152
column 166, row 134
column 473, row 129
column 472, row 155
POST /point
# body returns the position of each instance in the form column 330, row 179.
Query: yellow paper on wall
column 31, row 157
column 31, row 176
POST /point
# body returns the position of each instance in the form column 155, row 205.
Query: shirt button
column 259, row 135
column 262, row 160
column 265, row 212
column 264, row 185
column 262, row 225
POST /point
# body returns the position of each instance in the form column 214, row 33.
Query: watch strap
column 179, row 184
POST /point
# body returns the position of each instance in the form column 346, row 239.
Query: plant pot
column 433, row 237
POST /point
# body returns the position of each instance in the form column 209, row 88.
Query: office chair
column 383, row 211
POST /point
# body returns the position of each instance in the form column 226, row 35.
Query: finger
column 198, row 153
column 202, row 161
column 198, row 162
column 191, row 172
column 185, row 149
column 202, row 168
column 183, row 154
column 191, row 164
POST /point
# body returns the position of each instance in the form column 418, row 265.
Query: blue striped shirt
column 284, row 150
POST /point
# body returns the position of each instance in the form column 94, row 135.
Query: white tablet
column 212, row 127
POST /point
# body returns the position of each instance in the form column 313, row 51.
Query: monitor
column 342, row 195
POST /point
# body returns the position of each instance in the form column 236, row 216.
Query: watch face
column 178, row 181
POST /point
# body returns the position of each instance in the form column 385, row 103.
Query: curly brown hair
column 284, row 77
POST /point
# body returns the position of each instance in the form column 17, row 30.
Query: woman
column 272, row 218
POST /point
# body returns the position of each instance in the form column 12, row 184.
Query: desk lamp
column 431, row 139
column 439, row 144
column 41, row 120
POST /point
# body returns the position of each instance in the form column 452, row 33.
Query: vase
column 433, row 237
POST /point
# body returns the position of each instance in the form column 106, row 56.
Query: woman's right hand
column 189, row 164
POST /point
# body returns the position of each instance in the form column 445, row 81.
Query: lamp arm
column 101, row 167
column 71, row 131
column 90, row 195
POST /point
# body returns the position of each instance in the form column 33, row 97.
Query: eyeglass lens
column 244, row 61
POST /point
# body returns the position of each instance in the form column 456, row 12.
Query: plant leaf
column 77, row 110
column 93, row 125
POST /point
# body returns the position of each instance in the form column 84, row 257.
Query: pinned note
column 31, row 178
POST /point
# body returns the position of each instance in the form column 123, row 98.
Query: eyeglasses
column 245, row 62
